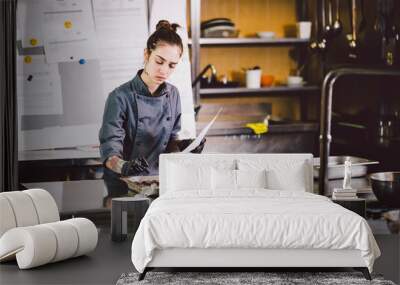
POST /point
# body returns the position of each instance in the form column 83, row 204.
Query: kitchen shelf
column 262, row 90
column 249, row 41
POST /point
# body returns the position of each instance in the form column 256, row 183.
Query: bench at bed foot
column 364, row 271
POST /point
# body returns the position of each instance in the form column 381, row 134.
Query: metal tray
column 336, row 166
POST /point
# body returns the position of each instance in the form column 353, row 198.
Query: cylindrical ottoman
column 120, row 207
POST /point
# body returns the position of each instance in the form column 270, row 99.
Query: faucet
column 213, row 74
column 198, row 77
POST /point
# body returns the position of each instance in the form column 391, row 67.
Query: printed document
column 68, row 30
column 202, row 134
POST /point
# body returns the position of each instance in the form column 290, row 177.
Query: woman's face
column 161, row 62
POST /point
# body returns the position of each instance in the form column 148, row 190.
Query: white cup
column 294, row 80
column 253, row 78
column 303, row 30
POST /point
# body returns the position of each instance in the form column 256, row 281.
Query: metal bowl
column 386, row 187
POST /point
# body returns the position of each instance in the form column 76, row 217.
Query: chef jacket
column 139, row 124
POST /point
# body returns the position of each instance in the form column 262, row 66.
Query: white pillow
column 251, row 178
column 184, row 177
column 223, row 179
column 295, row 180
column 282, row 174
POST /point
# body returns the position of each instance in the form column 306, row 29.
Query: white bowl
column 266, row 35
column 295, row 80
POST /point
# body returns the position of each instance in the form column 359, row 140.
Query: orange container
column 267, row 80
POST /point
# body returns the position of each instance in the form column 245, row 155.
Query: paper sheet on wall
column 82, row 111
column 29, row 29
column 68, row 30
column 201, row 135
column 118, row 66
column 40, row 95
column 38, row 86
column 175, row 12
column 121, row 23
column 122, row 31
column 35, row 65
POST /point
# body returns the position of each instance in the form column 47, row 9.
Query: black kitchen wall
column 370, row 48
column 366, row 110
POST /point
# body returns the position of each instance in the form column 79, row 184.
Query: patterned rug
column 243, row 278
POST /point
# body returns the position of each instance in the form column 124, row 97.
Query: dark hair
column 166, row 33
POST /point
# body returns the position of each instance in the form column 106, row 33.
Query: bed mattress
column 251, row 219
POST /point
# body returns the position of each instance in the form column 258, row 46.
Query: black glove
column 185, row 143
column 134, row 167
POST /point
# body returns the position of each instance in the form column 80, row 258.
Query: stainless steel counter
column 239, row 128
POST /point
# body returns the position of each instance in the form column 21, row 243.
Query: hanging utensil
column 385, row 26
column 328, row 27
column 322, row 39
column 319, row 43
column 392, row 35
column 315, row 41
column 353, row 37
column 378, row 26
column 337, row 25
column 396, row 33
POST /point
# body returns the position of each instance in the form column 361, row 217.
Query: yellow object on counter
column 258, row 128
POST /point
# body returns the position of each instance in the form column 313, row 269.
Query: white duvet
column 252, row 218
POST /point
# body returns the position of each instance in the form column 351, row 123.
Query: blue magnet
column 82, row 61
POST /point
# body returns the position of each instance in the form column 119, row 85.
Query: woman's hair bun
column 165, row 33
column 164, row 24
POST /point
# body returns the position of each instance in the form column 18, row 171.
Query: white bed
column 247, row 210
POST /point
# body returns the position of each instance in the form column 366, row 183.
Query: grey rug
column 230, row 278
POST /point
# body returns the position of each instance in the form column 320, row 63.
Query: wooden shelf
column 262, row 90
column 249, row 41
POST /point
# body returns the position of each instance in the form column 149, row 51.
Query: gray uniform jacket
column 135, row 123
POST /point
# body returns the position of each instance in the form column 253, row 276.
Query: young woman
column 142, row 117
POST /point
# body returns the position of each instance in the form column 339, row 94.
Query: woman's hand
column 127, row 168
column 134, row 167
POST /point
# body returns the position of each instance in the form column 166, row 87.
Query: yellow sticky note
column 258, row 128
column 33, row 42
column 27, row 59
column 68, row 24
